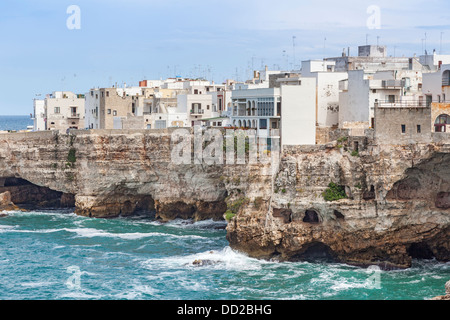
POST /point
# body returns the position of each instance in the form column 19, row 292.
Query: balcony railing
column 200, row 111
column 402, row 104
column 74, row 116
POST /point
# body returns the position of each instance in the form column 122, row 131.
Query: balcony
column 402, row 104
column 74, row 116
column 199, row 111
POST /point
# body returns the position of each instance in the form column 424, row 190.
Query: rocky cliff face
column 396, row 205
column 118, row 173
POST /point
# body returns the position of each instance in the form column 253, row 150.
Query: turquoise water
column 58, row 255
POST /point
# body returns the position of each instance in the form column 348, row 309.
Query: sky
column 122, row 41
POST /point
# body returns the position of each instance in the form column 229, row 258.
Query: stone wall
column 389, row 122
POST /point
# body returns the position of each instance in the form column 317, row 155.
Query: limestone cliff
column 117, row 173
column 396, row 205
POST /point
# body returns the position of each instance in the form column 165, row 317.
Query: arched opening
column 420, row 250
column 369, row 194
column 29, row 196
column 239, row 124
column 311, row 216
column 316, row 252
column 440, row 125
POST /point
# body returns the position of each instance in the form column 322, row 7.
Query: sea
column 57, row 255
column 15, row 123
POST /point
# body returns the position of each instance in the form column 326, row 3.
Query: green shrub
column 229, row 215
column 71, row 157
column 235, row 206
column 355, row 153
column 334, row 193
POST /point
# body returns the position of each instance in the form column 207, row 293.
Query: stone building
column 402, row 125
column 440, row 117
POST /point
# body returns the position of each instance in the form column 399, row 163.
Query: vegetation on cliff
column 334, row 192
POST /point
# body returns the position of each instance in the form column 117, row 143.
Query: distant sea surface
column 15, row 122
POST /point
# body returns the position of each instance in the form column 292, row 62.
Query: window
column 57, row 110
column 109, row 111
column 263, row 123
column 92, row 93
column 429, row 100
column 403, row 128
column 115, row 113
column 207, row 107
column 107, row 93
column 103, row 94
column 419, row 128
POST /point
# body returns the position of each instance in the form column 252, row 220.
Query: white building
column 363, row 89
column 92, row 107
column 291, row 109
column 40, row 115
column 433, row 62
column 63, row 110
column 298, row 113
column 257, row 109
column 436, row 85
column 326, row 91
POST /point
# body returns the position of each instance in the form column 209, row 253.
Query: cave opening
column 369, row 194
column 338, row 215
column 316, row 252
column 311, row 216
column 29, row 196
column 420, row 250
